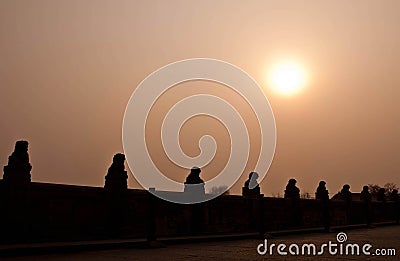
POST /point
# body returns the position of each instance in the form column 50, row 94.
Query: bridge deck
column 380, row 237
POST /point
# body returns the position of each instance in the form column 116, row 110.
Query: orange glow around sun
column 287, row 77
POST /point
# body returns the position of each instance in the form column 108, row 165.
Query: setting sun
column 287, row 77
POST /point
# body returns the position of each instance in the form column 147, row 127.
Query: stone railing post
column 151, row 217
column 15, row 193
column 116, row 187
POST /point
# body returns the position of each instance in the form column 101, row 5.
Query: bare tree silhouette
column 218, row 190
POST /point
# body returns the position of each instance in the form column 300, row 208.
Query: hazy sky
column 68, row 68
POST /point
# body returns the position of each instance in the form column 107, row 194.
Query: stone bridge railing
column 55, row 212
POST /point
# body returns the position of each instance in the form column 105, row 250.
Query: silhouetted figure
column 381, row 195
column 365, row 195
column 345, row 194
column 15, row 193
column 292, row 193
column 194, row 190
column 116, row 178
column 17, row 172
column 394, row 196
column 251, row 190
column 322, row 194
column 291, row 190
column 382, row 208
column 116, row 188
column 193, row 183
column 251, row 186
column 366, row 198
column 194, row 176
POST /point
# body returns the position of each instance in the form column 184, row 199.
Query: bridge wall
column 54, row 212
